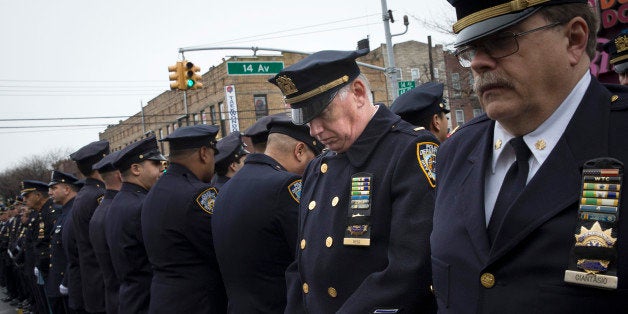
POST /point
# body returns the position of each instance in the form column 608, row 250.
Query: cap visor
column 491, row 26
column 308, row 110
column 621, row 67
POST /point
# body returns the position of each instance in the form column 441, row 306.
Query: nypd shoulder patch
column 426, row 155
column 295, row 190
column 206, row 200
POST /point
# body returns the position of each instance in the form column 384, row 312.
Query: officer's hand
column 63, row 289
column 36, row 272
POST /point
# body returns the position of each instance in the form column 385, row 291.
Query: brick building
column 254, row 96
column 462, row 101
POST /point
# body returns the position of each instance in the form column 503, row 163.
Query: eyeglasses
column 499, row 46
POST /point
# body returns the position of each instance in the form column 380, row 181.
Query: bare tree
column 36, row 167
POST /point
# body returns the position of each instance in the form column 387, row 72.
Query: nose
column 481, row 61
column 315, row 127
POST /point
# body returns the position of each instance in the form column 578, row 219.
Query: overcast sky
column 79, row 60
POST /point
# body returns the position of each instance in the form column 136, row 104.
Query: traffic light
column 193, row 79
column 177, row 76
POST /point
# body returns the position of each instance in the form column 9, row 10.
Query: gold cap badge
column 286, row 85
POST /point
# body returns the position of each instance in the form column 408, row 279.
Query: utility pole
column 392, row 68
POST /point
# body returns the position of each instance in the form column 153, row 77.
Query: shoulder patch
column 295, row 190
column 99, row 199
column 426, row 155
column 206, row 200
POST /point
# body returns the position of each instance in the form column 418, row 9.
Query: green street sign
column 254, row 68
column 405, row 86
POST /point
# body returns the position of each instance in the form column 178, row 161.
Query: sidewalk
column 5, row 308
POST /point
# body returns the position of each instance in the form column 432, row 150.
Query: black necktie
column 513, row 185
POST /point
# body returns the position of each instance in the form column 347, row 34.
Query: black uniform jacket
column 72, row 279
column 124, row 236
column 101, row 250
column 58, row 260
column 255, row 233
column 393, row 272
column 93, row 286
column 176, row 224
column 531, row 252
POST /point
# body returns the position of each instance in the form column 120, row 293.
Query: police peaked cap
column 477, row 19
column 284, row 125
column 311, row 84
column 91, row 153
column 230, row 145
column 33, row 185
column 193, row 136
column 106, row 164
column 61, row 177
column 420, row 102
column 258, row 132
column 617, row 48
column 142, row 150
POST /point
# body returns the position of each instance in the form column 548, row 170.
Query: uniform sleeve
column 198, row 222
column 404, row 283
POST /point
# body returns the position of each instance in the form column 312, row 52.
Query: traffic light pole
column 391, row 70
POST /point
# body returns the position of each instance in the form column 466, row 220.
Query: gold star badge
column 540, row 144
column 498, row 144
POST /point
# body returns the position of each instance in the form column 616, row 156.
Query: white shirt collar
column 545, row 137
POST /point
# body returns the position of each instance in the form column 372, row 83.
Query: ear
column 204, row 155
column 436, row 122
column 359, row 92
column 299, row 151
column 135, row 169
column 577, row 32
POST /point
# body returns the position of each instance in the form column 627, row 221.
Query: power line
column 293, row 29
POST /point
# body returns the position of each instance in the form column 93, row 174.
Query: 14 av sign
column 254, row 68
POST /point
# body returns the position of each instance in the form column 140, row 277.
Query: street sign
column 254, row 68
column 405, row 86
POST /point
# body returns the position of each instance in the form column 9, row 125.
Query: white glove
column 36, row 272
column 63, row 289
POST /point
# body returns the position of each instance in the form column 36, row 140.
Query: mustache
column 489, row 80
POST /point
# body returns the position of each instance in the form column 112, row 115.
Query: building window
column 399, row 73
column 261, row 108
column 161, row 133
column 477, row 112
column 174, row 126
column 415, row 73
column 455, row 84
column 471, row 80
column 203, row 117
column 195, row 119
column 212, row 114
column 436, row 76
column 459, row 117
column 168, row 129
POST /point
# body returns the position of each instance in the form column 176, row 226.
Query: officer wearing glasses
column 529, row 194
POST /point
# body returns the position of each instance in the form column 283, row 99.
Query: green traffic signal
column 190, row 83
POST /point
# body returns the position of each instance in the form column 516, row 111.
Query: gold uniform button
column 329, row 241
column 302, row 244
column 324, row 168
column 332, row 292
column 50, row 265
column 335, row 200
column 312, row 205
column 306, row 288
column 487, row 280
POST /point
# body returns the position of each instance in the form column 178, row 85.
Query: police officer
column 522, row 223
column 424, row 106
column 617, row 48
column 113, row 181
column 230, row 158
column 13, row 287
column 62, row 190
column 366, row 204
column 35, row 194
column 176, row 225
column 88, row 280
column 256, row 217
column 140, row 164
